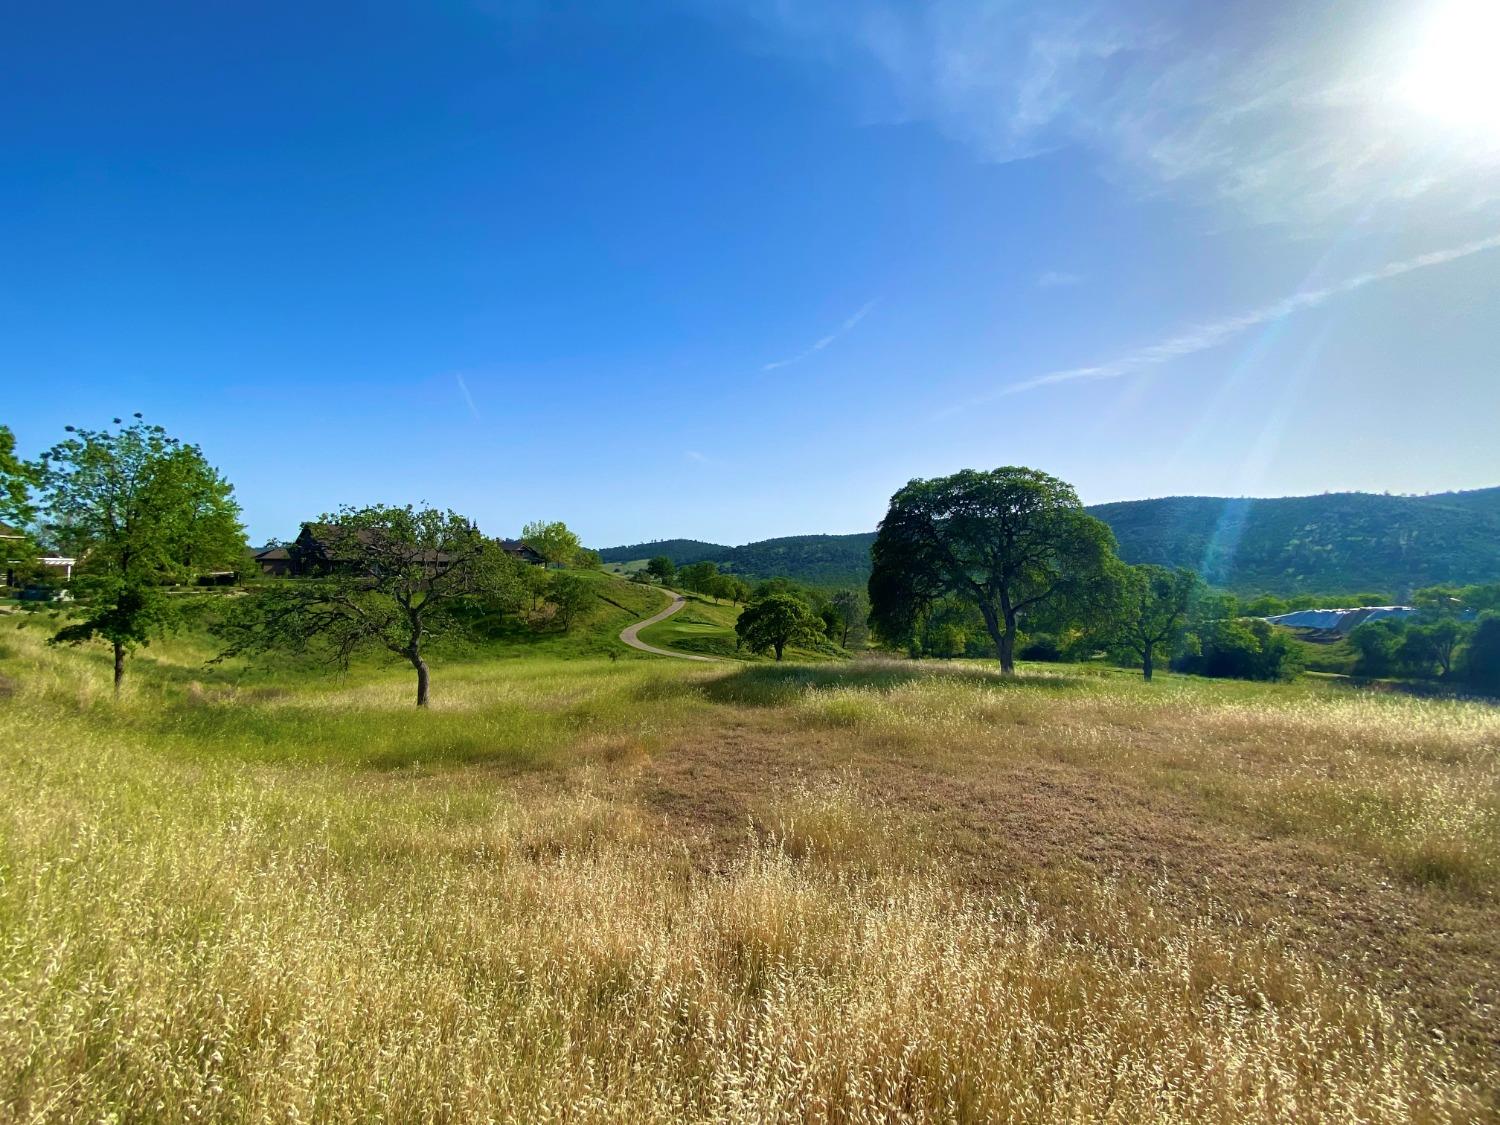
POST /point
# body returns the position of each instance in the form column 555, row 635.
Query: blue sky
column 732, row 269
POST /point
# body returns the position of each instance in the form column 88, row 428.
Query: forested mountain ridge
column 683, row 552
column 1333, row 543
column 1337, row 541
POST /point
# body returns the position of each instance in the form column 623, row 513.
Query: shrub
column 1239, row 650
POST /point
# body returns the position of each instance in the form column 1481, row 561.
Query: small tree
column 1152, row 612
column 534, row 582
column 571, row 594
column 141, row 510
column 662, row 569
column 698, row 577
column 851, row 608
column 553, row 541
column 1377, row 645
column 775, row 621
column 397, row 578
column 1012, row 542
column 1432, row 643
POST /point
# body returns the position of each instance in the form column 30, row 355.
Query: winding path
column 628, row 634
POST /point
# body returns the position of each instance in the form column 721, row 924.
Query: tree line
column 1005, row 562
column 1009, row 563
column 144, row 513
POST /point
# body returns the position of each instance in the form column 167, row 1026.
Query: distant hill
column 680, row 551
column 1341, row 542
column 1337, row 542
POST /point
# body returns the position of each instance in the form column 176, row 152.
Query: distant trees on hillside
column 1011, row 542
column 1440, row 642
column 698, row 577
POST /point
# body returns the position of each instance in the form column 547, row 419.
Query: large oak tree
column 1012, row 542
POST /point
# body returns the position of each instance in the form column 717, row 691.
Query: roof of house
column 1339, row 620
column 273, row 553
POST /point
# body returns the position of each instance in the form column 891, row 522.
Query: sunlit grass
column 237, row 898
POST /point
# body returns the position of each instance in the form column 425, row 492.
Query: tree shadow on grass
column 774, row 685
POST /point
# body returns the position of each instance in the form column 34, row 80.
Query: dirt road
column 628, row 635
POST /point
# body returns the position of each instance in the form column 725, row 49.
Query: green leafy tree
column 1152, row 612
column 140, row 510
column 1377, row 647
column 534, row 582
column 586, row 559
column 397, row 578
column 776, row 621
column 698, row 577
column 662, row 569
column 17, row 480
column 1237, row 648
column 553, row 541
column 1012, row 542
column 571, row 594
column 1482, row 655
column 17, row 512
column 723, row 587
column 1432, row 644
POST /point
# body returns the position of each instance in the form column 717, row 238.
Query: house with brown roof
column 314, row 552
column 521, row 550
column 275, row 561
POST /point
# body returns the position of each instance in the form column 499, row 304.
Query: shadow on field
column 771, row 685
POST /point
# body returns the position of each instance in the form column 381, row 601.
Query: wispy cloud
column 1057, row 279
column 1284, row 111
column 1202, row 337
column 468, row 398
column 848, row 324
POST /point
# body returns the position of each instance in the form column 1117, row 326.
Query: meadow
column 591, row 885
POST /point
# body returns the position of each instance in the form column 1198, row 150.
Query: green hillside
column 1334, row 543
column 681, row 551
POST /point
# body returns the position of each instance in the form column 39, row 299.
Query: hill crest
column 1335, row 542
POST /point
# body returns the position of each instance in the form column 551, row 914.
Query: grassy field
column 588, row 889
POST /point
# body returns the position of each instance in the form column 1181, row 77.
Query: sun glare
column 1455, row 73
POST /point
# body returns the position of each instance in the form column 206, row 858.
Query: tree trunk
column 778, row 646
column 1146, row 663
column 1005, row 640
column 414, row 654
column 119, row 666
column 1008, row 649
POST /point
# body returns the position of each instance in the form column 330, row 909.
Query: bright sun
column 1455, row 72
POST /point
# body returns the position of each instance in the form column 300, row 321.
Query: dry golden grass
column 235, row 904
